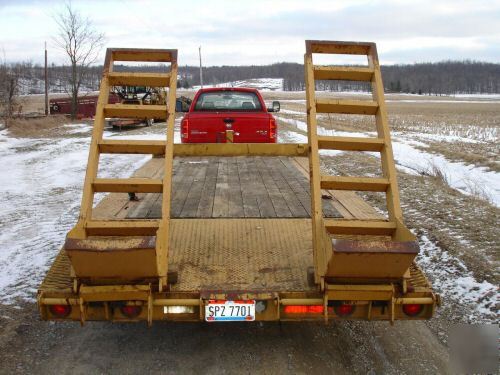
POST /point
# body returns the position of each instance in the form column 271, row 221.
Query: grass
column 39, row 127
column 436, row 172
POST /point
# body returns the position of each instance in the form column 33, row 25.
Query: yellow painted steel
column 144, row 55
column 122, row 227
column 322, row 247
column 354, row 183
column 352, row 107
column 135, row 111
column 114, row 146
column 343, row 73
column 400, row 261
column 241, row 149
column 135, row 263
column 204, row 149
column 127, row 185
column 350, row 143
column 341, row 48
column 359, row 227
column 137, row 79
column 176, row 302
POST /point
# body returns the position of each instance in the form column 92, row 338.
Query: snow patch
column 40, row 184
column 451, row 278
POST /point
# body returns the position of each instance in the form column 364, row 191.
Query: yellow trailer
column 238, row 232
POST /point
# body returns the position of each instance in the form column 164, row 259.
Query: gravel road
column 28, row 345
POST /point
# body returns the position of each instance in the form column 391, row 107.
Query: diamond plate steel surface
column 241, row 254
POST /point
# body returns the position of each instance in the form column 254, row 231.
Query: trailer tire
column 55, row 107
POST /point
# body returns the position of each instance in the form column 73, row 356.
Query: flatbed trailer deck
column 234, row 231
column 267, row 256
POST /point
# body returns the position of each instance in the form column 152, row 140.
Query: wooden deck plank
column 251, row 187
column 250, row 205
column 264, row 202
column 235, row 199
column 206, row 203
column 190, row 208
column 280, row 207
column 294, row 181
column 294, row 205
column 181, row 186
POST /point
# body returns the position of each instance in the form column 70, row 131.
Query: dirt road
column 29, row 345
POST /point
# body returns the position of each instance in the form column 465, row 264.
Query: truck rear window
column 228, row 101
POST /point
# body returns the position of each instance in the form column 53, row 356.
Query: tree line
column 441, row 78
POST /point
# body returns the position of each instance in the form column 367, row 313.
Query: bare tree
column 78, row 38
column 9, row 89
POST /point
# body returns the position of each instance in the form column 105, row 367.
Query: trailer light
column 131, row 311
column 60, row 311
column 178, row 309
column 344, row 309
column 412, row 309
column 304, row 309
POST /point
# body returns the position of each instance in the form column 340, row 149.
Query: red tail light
column 272, row 128
column 60, row 311
column 344, row 309
column 412, row 309
column 131, row 311
column 184, row 128
column 304, row 309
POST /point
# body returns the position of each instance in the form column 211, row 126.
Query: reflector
column 344, row 309
column 412, row 309
column 131, row 311
column 60, row 311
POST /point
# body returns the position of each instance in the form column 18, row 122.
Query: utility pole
column 46, row 84
column 201, row 70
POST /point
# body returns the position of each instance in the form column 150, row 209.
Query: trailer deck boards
column 235, row 187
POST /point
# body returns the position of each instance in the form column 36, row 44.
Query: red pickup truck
column 223, row 115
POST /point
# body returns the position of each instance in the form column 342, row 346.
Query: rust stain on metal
column 349, row 246
column 110, row 243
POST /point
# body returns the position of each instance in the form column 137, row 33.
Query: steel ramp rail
column 126, row 240
column 327, row 261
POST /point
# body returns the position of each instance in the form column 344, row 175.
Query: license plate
column 230, row 311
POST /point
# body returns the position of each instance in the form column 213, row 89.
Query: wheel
column 55, row 107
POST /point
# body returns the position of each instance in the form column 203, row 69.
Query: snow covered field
column 464, row 178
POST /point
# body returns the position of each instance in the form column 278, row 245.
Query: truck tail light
column 60, row 311
column 131, row 311
column 304, row 309
column 412, row 309
column 272, row 128
column 184, row 128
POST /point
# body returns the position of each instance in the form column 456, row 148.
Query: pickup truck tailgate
column 214, row 127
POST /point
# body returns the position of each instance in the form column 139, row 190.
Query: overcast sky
column 234, row 32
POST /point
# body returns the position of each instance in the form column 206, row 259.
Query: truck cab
column 229, row 115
